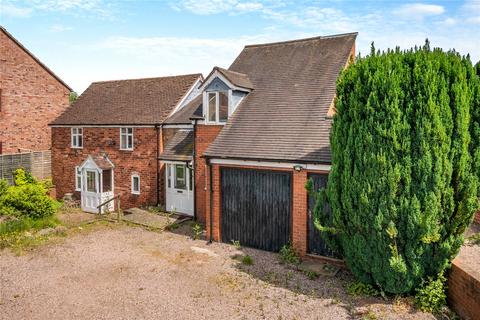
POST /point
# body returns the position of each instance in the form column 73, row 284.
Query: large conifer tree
column 403, row 184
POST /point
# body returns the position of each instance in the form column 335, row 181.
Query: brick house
column 235, row 154
column 30, row 89
column 108, row 141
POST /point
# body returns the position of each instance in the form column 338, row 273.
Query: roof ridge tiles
column 302, row 40
column 150, row 78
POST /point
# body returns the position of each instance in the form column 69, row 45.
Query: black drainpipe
column 210, row 174
column 157, row 128
column 194, row 171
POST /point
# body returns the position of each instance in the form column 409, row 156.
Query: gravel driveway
column 124, row 272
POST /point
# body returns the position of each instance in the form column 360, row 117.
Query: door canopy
column 99, row 162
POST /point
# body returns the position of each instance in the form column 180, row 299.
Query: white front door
column 179, row 186
column 91, row 195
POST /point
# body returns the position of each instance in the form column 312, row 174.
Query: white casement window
column 77, row 137
column 217, row 106
column 126, row 138
column 78, row 179
column 135, row 184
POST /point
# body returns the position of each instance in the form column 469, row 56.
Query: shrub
column 247, row 260
column 405, row 165
column 27, row 197
column 431, row 296
column 289, row 255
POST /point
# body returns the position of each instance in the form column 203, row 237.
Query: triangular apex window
column 221, row 95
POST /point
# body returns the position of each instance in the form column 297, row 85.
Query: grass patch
column 18, row 234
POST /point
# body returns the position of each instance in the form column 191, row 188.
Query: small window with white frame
column 217, row 106
column 135, row 184
column 78, row 179
column 126, row 138
column 77, row 138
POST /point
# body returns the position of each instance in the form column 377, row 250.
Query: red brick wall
column 464, row 290
column 141, row 160
column 30, row 99
column 477, row 217
column 299, row 212
column 204, row 135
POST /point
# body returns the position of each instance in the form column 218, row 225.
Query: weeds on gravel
column 312, row 275
column 247, row 260
column 196, row 231
column 288, row 255
column 474, row 239
column 236, row 244
column 358, row 288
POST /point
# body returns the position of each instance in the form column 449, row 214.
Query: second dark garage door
column 256, row 207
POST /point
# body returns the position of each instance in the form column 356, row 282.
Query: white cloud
column 100, row 8
column 419, row 11
column 7, row 9
column 217, row 6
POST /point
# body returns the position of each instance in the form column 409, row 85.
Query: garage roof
column 285, row 117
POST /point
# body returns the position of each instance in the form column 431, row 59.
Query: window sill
column 136, row 193
column 126, row 149
column 72, row 147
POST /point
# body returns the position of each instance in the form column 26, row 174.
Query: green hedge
column 405, row 165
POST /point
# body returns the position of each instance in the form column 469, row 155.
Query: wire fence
column 38, row 163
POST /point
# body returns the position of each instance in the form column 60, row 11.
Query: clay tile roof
column 236, row 78
column 285, row 117
column 103, row 162
column 180, row 147
column 191, row 109
column 146, row 101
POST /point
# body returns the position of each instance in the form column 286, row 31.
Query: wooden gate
column 256, row 207
column 316, row 244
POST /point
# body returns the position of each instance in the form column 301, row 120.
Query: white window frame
column 135, row 176
column 217, row 106
column 78, row 174
column 125, row 135
column 75, row 133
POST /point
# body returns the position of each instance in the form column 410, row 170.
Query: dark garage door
column 256, row 207
column 316, row 244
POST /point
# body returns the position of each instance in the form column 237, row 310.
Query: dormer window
column 217, row 102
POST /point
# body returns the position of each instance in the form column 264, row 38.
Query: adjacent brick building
column 31, row 96
column 121, row 123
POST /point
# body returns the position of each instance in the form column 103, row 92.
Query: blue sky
column 91, row 40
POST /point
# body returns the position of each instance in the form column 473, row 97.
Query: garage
column 256, row 207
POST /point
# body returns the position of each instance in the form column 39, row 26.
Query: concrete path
column 150, row 219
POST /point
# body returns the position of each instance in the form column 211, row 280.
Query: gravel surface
column 109, row 271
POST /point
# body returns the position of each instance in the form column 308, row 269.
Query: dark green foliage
column 403, row 184
column 27, row 198
column 431, row 297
